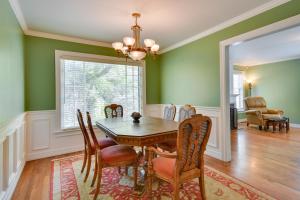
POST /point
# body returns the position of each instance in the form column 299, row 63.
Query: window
column 238, row 89
column 90, row 85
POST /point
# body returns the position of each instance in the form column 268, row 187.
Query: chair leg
column 135, row 173
column 126, row 170
column 98, row 181
column 149, row 186
column 202, row 187
column 176, row 192
column 84, row 161
column 95, row 171
column 89, row 160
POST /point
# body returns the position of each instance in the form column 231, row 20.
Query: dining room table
column 148, row 132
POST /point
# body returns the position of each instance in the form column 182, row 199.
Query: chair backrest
column 186, row 112
column 84, row 132
column 169, row 112
column 93, row 135
column 255, row 103
column 193, row 134
column 113, row 110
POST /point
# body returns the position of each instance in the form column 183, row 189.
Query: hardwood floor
column 268, row 161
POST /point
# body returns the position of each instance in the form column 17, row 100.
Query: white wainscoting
column 44, row 139
column 12, row 155
column 214, row 146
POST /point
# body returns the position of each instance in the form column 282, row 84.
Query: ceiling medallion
column 131, row 46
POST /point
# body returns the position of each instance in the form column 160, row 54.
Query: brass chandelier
column 131, row 46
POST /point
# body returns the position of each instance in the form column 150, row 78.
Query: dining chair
column 188, row 162
column 113, row 110
column 169, row 112
column 185, row 112
column 90, row 147
column 113, row 156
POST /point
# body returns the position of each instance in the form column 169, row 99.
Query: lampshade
column 125, row 50
column 149, row 43
column 137, row 55
column 155, row 48
column 129, row 41
column 117, row 45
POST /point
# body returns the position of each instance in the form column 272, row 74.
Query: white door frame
column 225, row 72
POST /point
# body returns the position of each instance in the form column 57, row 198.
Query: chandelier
column 131, row 46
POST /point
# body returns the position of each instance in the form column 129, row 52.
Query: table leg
column 280, row 126
column 274, row 127
column 265, row 127
column 287, row 125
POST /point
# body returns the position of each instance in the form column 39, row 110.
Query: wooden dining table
column 148, row 132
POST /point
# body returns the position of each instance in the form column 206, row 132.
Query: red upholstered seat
column 106, row 142
column 118, row 153
column 170, row 145
column 164, row 167
column 103, row 143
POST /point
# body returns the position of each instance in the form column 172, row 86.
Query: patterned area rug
column 67, row 184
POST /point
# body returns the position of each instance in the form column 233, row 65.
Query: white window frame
column 90, row 57
column 243, row 87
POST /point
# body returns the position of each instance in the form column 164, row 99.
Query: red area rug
column 67, row 184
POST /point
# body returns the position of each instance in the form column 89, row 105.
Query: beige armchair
column 257, row 112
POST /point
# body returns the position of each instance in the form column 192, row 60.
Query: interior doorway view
column 264, row 110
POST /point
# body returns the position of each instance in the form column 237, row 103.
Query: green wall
column 190, row 74
column 40, row 71
column 11, row 65
column 279, row 84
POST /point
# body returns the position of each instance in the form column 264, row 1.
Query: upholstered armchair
column 257, row 112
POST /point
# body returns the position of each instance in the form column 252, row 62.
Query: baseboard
column 242, row 120
column 215, row 154
column 13, row 183
column 53, row 152
column 294, row 125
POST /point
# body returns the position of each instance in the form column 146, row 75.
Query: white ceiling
column 280, row 46
column 166, row 21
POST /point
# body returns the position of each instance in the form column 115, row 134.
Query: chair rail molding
column 12, row 154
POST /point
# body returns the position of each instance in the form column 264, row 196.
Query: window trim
column 240, row 72
column 59, row 54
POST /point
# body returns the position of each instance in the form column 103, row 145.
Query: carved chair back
column 192, row 139
column 186, row 112
column 169, row 112
column 113, row 110
column 92, row 133
column 87, row 142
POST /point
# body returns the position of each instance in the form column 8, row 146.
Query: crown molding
column 20, row 17
column 66, row 38
column 296, row 57
column 226, row 24
column 14, row 4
